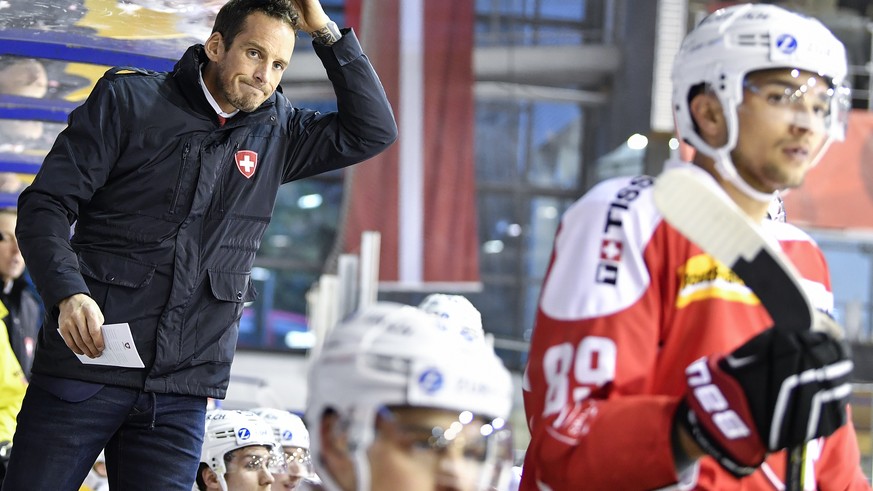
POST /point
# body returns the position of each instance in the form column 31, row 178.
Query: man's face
column 248, row 470
column 782, row 127
column 26, row 78
column 248, row 71
column 11, row 262
column 298, row 466
column 406, row 454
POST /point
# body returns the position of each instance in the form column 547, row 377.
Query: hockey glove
column 780, row 389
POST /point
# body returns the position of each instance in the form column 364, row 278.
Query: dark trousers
column 152, row 441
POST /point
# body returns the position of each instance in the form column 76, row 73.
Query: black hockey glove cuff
column 780, row 389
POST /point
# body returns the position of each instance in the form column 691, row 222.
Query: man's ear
column 706, row 110
column 334, row 439
column 210, row 478
column 214, row 46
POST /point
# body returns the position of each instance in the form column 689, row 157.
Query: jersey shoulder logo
column 246, row 162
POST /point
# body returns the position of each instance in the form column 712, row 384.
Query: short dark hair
column 201, row 484
column 233, row 15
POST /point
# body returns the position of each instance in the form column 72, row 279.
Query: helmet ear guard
column 733, row 42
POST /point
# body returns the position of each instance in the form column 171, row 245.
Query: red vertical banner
column 352, row 11
column 448, row 216
column 372, row 198
column 451, row 232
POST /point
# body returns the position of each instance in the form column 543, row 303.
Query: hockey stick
column 696, row 206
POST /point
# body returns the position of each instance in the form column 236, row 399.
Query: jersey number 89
column 592, row 363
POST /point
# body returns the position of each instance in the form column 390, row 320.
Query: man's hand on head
column 311, row 15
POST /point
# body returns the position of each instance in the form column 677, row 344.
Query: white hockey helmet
column 455, row 312
column 392, row 355
column 227, row 431
column 733, row 42
column 288, row 428
column 289, row 431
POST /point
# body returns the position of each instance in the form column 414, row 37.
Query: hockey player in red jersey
column 652, row 365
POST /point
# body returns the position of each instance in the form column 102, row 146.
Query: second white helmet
column 398, row 355
column 455, row 312
column 288, row 428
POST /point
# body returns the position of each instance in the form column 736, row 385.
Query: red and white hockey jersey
column 627, row 304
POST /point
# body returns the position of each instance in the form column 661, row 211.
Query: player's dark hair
column 233, row 15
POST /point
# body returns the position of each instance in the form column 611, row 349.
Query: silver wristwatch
column 328, row 34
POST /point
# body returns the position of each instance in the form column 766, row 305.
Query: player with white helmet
column 397, row 402
column 240, row 452
column 725, row 56
column 292, row 435
column 456, row 312
column 652, row 365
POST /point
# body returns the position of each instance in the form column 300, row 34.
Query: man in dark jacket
column 171, row 180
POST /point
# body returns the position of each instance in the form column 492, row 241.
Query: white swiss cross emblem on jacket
column 246, row 162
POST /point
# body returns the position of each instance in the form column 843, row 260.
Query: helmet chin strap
column 220, row 475
column 725, row 168
column 362, row 467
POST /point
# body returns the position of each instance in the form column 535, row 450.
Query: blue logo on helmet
column 430, row 380
column 786, row 43
column 286, row 435
column 243, row 433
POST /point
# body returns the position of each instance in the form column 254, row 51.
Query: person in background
column 97, row 479
column 13, row 385
column 23, row 77
column 171, row 180
column 397, row 402
column 17, row 295
column 239, row 453
column 293, row 437
column 19, row 324
column 652, row 365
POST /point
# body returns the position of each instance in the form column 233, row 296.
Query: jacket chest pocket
column 217, row 324
column 247, row 185
column 183, row 191
column 118, row 285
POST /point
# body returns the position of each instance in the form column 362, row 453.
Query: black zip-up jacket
column 167, row 224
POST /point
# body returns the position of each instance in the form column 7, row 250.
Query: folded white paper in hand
column 119, row 349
